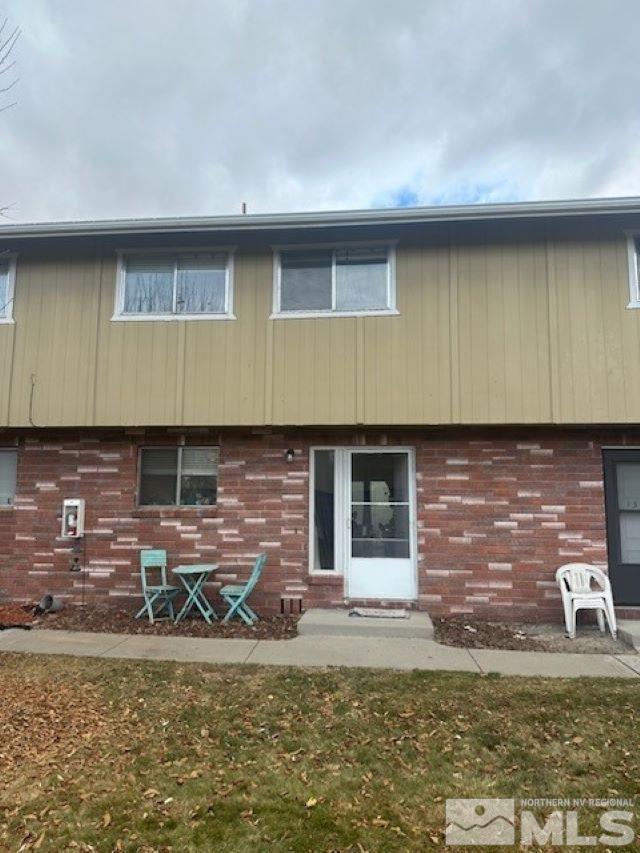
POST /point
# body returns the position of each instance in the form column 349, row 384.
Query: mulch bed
column 15, row 616
column 113, row 620
column 484, row 635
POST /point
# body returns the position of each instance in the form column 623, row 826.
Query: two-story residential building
column 433, row 406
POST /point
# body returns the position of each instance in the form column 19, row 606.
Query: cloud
column 152, row 107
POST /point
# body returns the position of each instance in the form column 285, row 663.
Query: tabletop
column 198, row 569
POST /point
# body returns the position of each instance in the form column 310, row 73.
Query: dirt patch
column 113, row 620
column 15, row 616
column 470, row 634
column 483, row 635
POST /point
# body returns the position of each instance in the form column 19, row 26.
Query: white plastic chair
column 575, row 582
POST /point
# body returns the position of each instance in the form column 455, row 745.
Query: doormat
column 378, row 612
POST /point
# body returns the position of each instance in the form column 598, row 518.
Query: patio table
column 193, row 579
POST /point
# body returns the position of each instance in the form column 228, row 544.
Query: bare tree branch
column 8, row 41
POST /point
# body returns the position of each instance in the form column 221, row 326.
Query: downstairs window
column 178, row 476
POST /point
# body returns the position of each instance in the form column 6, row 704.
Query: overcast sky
column 172, row 107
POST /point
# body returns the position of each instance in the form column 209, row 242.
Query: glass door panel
column 324, row 494
column 628, row 481
column 380, row 509
column 622, row 502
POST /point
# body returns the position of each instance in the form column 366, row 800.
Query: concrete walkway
column 388, row 653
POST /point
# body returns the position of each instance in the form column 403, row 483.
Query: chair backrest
column 258, row 566
column 153, row 559
column 577, row 577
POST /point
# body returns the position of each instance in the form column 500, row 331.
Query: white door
column 379, row 499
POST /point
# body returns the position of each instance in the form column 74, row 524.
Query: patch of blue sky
column 475, row 192
column 464, row 192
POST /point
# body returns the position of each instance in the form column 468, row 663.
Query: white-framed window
column 178, row 476
column 7, row 286
column 347, row 281
column 633, row 246
column 177, row 285
column 8, row 475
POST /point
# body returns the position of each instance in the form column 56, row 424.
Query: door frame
column 610, row 456
column 342, row 509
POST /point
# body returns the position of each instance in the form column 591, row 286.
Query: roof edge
column 324, row 219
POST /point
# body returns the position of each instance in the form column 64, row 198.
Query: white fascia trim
column 323, row 219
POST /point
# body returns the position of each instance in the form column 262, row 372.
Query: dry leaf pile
column 15, row 616
column 114, row 620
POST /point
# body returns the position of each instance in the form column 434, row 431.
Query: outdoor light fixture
column 289, row 454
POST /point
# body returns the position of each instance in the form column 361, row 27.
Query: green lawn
column 112, row 755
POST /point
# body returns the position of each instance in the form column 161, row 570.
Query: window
column 8, row 473
column 347, row 280
column 633, row 246
column 7, row 279
column 178, row 476
column 179, row 286
column 324, row 493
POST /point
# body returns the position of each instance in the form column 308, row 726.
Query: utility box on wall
column 73, row 518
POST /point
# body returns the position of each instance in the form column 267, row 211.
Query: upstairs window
column 8, row 471
column 177, row 286
column 178, row 476
column 7, row 278
column 633, row 246
column 349, row 280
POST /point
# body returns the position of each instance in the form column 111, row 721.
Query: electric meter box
column 73, row 518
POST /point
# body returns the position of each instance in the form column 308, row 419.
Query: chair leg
column 600, row 618
column 572, row 627
column 233, row 607
column 251, row 613
column 150, row 609
column 567, row 605
column 611, row 619
column 246, row 618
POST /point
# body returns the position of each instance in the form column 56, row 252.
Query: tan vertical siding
column 56, row 310
column 503, row 334
column 598, row 338
column 407, row 359
column 521, row 331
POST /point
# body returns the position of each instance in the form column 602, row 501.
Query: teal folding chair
column 236, row 595
column 157, row 596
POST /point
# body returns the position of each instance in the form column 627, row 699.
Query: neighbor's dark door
column 622, row 500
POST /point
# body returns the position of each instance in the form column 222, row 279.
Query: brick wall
column 498, row 511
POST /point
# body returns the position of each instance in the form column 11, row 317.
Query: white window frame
column 122, row 254
column 390, row 245
column 634, row 281
column 11, row 288
column 179, row 448
column 14, row 450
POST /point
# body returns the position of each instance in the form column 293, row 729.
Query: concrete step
column 338, row 623
column 629, row 632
